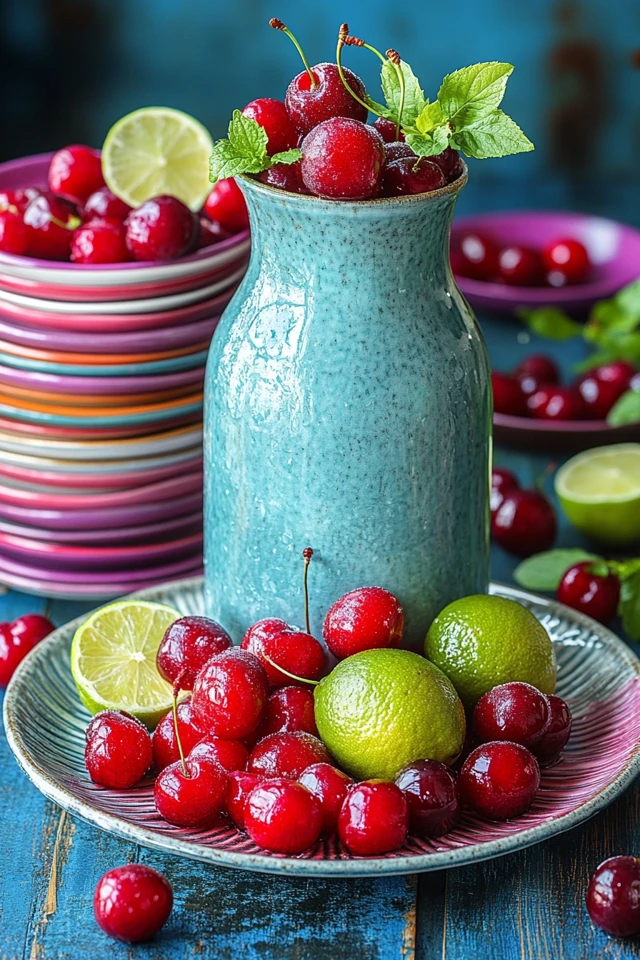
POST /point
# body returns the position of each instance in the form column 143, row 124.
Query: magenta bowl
column 614, row 249
column 560, row 436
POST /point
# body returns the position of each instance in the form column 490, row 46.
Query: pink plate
column 92, row 519
column 563, row 436
column 28, row 495
column 53, row 481
column 57, row 556
column 128, row 535
column 55, row 382
column 131, row 575
column 60, row 590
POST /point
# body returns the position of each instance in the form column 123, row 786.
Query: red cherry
column 449, row 162
column 17, row 639
column 374, row 818
column 272, row 116
column 555, row 403
column 105, row 205
column 51, row 221
column 76, row 172
column 132, row 902
column 396, row 150
column 613, row 896
column 187, row 646
column 239, row 786
column 569, row 257
column 501, row 482
column 284, row 176
column 161, row 229
column 476, row 256
column 229, row 754
column 192, row 799
column 507, row 395
column 17, row 200
column 619, row 372
column 165, row 745
column 430, row 790
column 210, row 232
column 294, row 650
column 524, row 523
column 499, row 780
column 548, row 750
column 286, row 754
column 539, row 367
column 230, row 694
column 363, row 619
column 282, row 816
column 308, row 105
column 290, row 710
column 330, row 786
column 14, row 234
column 343, row 159
column 97, row 722
column 598, row 396
column 410, row 175
column 512, row 711
column 595, row 595
column 520, row 266
column 387, row 130
column 226, row 204
column 100, row 241
column 118, row 752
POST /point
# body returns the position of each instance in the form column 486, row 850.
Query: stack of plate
column 101, row 376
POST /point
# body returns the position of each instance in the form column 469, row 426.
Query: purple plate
column 95, row 519
column 614, row 249
column 53, row 481
column 71, row 577
column 146, row 533
column 57, row 590
column 31, row 379
column 563, row 436
column 63, row 557
column 13, row 492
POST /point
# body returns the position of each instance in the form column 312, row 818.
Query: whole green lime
column 482, row 641
column 380, row 709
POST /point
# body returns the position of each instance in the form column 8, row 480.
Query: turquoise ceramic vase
column 348, row 408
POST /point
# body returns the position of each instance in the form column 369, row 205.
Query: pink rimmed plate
column 60, row 590
column 17, row 493
column 95, row 518
column 121, row 536
column 60, row 557
column 598, row 675
column 564, row 436
column 54, row 482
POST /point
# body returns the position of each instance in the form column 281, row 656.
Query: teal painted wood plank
column 13, row 604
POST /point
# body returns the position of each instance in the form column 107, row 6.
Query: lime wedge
column 155, row 151
column 113, row 659
column 600, row 492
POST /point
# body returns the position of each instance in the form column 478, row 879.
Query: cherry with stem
column 307, row 553
column 344, row 39
column 279, row 25
column 176, row 691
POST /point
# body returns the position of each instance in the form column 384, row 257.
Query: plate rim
column 293, row 866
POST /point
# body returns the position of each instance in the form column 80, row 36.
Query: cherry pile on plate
column 78, row 218
column 561, row 262
column 533, row 389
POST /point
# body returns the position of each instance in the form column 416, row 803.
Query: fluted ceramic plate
column 598, row 675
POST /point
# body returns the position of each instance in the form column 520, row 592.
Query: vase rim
column 378, row 203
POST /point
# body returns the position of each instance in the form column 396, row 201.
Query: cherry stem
column 343, row 37
column 176, row 691
column 307, row 553
column 286, row 672
column 279, row 25
column 72, row 223
column 394, row 57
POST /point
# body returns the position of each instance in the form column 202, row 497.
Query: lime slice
column 113, row 659
column 600, row 492
column 155, row 151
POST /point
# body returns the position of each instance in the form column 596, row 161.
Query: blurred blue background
column 70, row 68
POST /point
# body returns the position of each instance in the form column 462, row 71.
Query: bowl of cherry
column 504, row 261
column 532, row 408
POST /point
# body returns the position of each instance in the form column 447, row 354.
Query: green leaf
column 550, row 322
column 430, row 117
column 624, row 569
column 287, row 156
column 630, row 606
column 595, row 360
column 429, row 144
column 247, row 137
column 244, row 152
column 414, row 99
column 224, row 162
column 473, row 93
column 494, row 135
column 544, row 571
column 625, row 410
column 629, row 298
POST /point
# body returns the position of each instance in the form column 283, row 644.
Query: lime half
column 600, row 492
column 155, row 151
column 113, row 659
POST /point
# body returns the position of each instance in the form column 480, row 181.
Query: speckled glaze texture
column 347, row 408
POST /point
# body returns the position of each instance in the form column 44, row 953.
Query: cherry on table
column 275, row 642
column 162, row 228
column 284, row 176
column 104, row 203
column 193, row 795
column 513, row 711
column 552, row 402
column 239, row 786
column 100, row 241
column 343, row 159
column 508, row 397
column 76, row 172
column 396, row 150
column 539, row 367
column 597, row 596
column 282, row 816
column 330, row 786
column 188, row 644
column 286, row 754
column 387, row 130
column 132, row 902
column 14, row 234
column 569, row 257
column 363, row 619
column 51, row 221
column 118, row 751
column 230, row 694
column 499, row 780
column 430, row 790
column 475, row 256
column 210, row 232
column 547, row 751
column 613, row 896
column 524, row 523
column 520, row 266
column 17, row 639
column 290, row 710
column 272, row 116
column 374, row 818
column 449, row 162
column 229, row 754
column 409, row 175
column 163, row 739
column 226, row 204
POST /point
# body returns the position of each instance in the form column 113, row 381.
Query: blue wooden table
column 527, row 906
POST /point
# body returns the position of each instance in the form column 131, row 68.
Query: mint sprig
column 414, row 98
column 245, row 150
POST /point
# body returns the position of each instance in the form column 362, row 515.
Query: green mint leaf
column 624, row 569
column 594, row 360
column 619, row 345
column 244, row 152
column 599, row 568
column 429, row 118
column 429, row 144
column 224, row 162
column 550, row 322
column 630, row 606
column 287, row 156
column 414, row 99
column 247, row 137
column 544, row 571
column 629, row 298
column 625, row 410
column 494, row 135
column 473, row 93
